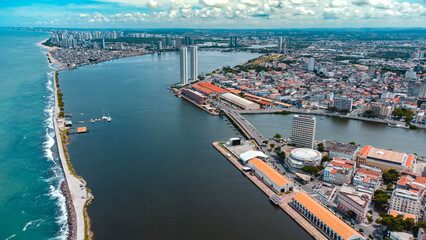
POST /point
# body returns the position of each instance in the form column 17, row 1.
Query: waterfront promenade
column 308, row 227
column 77, row 186
column 323, row 113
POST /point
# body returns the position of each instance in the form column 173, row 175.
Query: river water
column 345, row 130
column 153, row 170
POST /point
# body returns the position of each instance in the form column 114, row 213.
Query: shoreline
column 74, row 189
column 77, row 195
column 298, row 111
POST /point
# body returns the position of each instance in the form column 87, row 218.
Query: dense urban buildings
column 303, row 131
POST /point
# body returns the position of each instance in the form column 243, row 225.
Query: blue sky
column 213, row 13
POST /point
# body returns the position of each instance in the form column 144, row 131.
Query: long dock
column 308, row 227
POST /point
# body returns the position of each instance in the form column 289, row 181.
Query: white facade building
column 183, row 65
column 194, row 62
column 303, row 131
column 405, row 201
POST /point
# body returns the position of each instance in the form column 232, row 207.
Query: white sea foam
column 57, row 174
column 14, row 235
column 38, row 221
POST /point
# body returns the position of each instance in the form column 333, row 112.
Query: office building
column 386, row 159
column 342, row 103
column 422, row 91
column 328, row 223
column 311, row 64
column 405, row 201
column 280, row 44
column 194, row 62
column 183, row 65
column 303, row 131
column 352, row 199
column 159, row 45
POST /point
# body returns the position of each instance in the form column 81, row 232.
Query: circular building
column 301, row 157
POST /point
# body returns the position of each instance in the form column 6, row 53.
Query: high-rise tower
column 183, row 65
column 303, row 131
column 194, row 62
column 280, row 44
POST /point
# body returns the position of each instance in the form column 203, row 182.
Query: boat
column 92, row 120
column 396, row 125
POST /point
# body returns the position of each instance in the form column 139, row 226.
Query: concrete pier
column 315, row 233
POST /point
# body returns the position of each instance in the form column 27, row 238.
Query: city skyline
column 247, row 14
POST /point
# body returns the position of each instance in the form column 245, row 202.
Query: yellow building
column 386, row 159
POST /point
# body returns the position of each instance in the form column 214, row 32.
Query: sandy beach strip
column 48, row 52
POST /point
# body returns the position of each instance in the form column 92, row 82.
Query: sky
column 232, row 14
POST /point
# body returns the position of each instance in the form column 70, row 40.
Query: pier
column 286, row 198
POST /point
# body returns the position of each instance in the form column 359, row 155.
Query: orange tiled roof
column 275, row 176
column 327, row 217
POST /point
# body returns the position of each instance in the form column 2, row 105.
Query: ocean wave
column 14, row 235
column 57, row 176
column 38, row 221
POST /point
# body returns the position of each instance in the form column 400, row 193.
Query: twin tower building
column 193, row 68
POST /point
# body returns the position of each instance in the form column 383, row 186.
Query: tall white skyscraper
column 280, row 44
column 183, row 65
column 311, row 63
column 194, row 62
column 303, row 131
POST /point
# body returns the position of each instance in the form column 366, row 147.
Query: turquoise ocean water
column 31, row 206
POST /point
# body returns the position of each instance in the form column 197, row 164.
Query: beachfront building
column 338, row 171
column 239, row 102
column 328, row 223
column 183, row 65
column 303, row 131
column 386, row 159
column 341, row 150
column 301, row 157
column 273, row 179
column 367, row 177
column 352, row 199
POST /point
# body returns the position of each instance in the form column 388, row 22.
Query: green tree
column 321, row 147
column 380, row 200
column 281, row 155
column 400, row 113
column 326, row 158
column 265, row 142
column 313, row 170
column 370, row 219
column 389, row 187
column 272, row 145
column 390, row 176
column 277, row 136
column 351, row 214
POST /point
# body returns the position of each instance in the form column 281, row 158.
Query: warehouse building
column 332, row 226
column 195, row 96
column 239, row 102
column 269, row 176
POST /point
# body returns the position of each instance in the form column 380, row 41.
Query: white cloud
column 214, row 3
